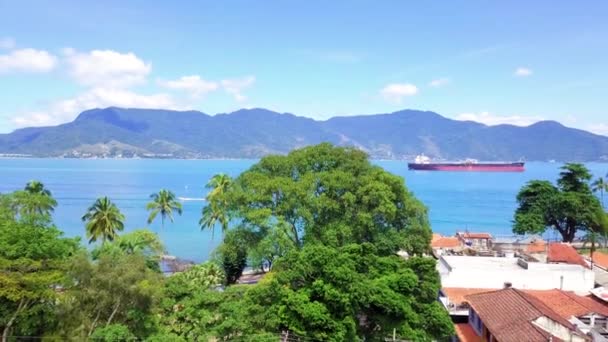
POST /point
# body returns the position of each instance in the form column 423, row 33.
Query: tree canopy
column 568, row 207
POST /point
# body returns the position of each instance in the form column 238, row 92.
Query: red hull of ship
column 479, row 167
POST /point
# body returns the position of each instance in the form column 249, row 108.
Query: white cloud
column 523, row 72
column 27, row 60
column 7, row 43
column 440, row 82
column 66, row 110
column 106, row 68
column 396, row 92
column 493, row 119
column 600, row 128
column 194, row 84
column 237, row 85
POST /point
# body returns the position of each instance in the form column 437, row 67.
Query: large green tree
column 569, row 207
column 103, row 220
column 338, row 277
column 164, row 203
column 217, row 209
column 115, row 288
column 32, row 259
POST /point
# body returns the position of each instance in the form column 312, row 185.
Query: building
column 443, row 244
column 477, row 241
column 511, row 315
column 518, row 243
column 498, row 272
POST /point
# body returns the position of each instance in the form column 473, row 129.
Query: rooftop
column 600, row 259
column 465, row 333
column 440, row 241
column 469, row 235
column 457, row 295
column 512, row 315
column 565, row 253
column 495, row 272
column 568, row 304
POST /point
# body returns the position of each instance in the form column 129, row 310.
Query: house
column 477, row 241
column 518, row 243
column 453, row 299
column 441, row 244
column 511, row 315
column 589, row 315
column 557, row 253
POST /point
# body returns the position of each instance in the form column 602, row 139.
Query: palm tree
column 217, row 210
column 103, row 220
column 36, row 187
column 34, row 200
column 163, row 202
column 600, row 185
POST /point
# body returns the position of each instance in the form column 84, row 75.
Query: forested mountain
column 252, row 133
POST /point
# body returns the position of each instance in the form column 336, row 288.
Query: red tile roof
column 600, row 259
column 568, row 304
column 468, row 235
column 508, row 314
column 538, row 246
column 439, row 241
column 466, row 333
column 457, row 295
column 565, row 253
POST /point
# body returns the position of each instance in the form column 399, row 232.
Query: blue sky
column 494, row 62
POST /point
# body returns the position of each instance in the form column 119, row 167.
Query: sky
column 495, row 62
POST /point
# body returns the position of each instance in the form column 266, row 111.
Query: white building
column 496, row 273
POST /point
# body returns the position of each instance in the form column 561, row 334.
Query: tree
column 112, row 333
column 600, row 185
column 36, row 187
column 568, row 208
column 163, row 203
column 116, row 288
column 140, row 241
column 217, row 211
column 32, row 259
column 103, row 220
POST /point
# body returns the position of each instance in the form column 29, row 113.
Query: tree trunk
column 11, row 321
column 113, row 313
column 94, row 324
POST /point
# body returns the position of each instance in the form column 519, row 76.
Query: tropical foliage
column 568, row 207
column 323, row 223
column 163, row 203
column 217, row 210
column 103, row 220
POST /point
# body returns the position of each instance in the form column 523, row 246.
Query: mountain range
column 252, row 133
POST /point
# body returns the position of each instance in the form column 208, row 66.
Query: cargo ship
column 423, row 163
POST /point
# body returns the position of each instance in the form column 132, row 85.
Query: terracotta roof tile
column 468, row 235
column 565, row 253
column 538, row 246
column 601, row 259
column 568, row 304
column 509, row 313
column 445, row 242
column 466, row 333
column 457, row 294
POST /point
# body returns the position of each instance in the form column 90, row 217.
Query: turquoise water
column 474, row 201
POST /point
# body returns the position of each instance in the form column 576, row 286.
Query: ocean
column 456, row 200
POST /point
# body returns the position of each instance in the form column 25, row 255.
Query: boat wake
column 191, row 199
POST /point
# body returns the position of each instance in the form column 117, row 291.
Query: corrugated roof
column 509, row 314
column 565, row 253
